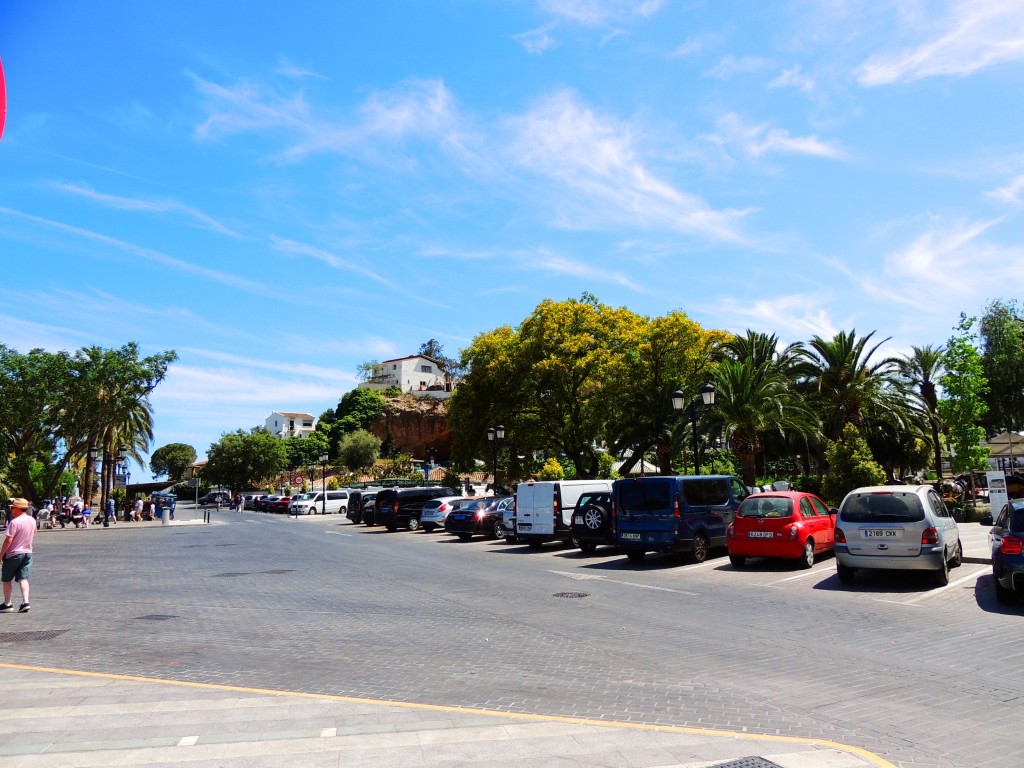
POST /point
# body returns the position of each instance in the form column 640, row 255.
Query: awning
column 1006, row 444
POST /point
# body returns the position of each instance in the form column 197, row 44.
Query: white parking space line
column 328, row 733
column 336, row 533
column 188, row 741
column 591, row 576
column 803, row 575
column 925, row 595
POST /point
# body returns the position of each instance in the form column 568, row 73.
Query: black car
column 1006, row 540
column 402, row 506
column 478, row 516
column 368, row 507
column 355, row 507
column 592, row 521
column 215, row 497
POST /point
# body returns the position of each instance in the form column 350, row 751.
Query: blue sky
column 282, row 191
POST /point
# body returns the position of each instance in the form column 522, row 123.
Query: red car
column 783, row 524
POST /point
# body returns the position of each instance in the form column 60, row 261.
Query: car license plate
column 882, row 533
column 630, row 536
column 458, row 517
column 760, row 534
column 577, row 520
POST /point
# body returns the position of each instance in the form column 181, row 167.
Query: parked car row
column 875, row 528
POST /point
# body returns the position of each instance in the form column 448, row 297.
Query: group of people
column 75, row 511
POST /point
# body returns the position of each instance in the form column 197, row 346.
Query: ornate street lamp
column 707, row 396
column 122, row 461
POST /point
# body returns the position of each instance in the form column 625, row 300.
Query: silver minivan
column 314, row 503
column 896, row 527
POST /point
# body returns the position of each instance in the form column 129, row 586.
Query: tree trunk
column 748, row 467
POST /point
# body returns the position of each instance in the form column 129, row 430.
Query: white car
column 896, row 527
column 315, row 504
column 436, row 511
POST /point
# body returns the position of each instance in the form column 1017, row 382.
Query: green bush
column 808, row 484
column 850, row 465
column 552, row 470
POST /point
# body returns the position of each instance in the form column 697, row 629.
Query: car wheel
column 586, row 546
column 845, row 573
column 465, row 536
column 595, row 518
column 343, row 511
column 499, row 529
column 941, row 575
column 636, row 555
column 700, row 548
column 958, row 558
column 807, row 561
column 535, row 544
column 1003, row 594
column 738, row 561
column 414, row 524
column 429, row 527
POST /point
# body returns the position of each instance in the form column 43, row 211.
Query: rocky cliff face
column 415, row 425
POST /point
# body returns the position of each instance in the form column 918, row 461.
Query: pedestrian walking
column 16, row 555
column 137, row 515
column 110, row 515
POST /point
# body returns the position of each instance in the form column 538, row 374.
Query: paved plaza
column 260, row 636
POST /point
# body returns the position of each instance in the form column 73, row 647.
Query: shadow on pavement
column 985, row 597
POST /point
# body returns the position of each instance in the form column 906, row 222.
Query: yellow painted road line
column 864, row 754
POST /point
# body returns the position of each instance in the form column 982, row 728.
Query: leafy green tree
column 1002, row 356
column 963, row 405
column 359, row 450
column 241, row 460
column 850, row 465
column 172, row 461
column 552, row 470
column 357, row 409
column 435, row 351
column 305, row 451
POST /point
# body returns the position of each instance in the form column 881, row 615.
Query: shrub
column 552, row 470
column 850, row 465
column 808, row 484
column 332, row 484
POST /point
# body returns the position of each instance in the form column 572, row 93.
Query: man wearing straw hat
column 16, row 554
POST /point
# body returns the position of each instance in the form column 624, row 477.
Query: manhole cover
column 279, row 571
column 232, row 544
column 571, row 594
column 228, row 575
column 156, row 617
column 30, row 637
column 748, row 762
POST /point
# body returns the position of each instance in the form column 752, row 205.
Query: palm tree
column 846, row 385
column 752, row 399
column 921, row 370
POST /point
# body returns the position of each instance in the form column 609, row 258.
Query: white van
column 313, row 503
column 543, row 509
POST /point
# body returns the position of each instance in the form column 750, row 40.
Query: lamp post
column 707, row 396
column 122, row 462
column 94, row 463
column 323, row 495
column 494, row 436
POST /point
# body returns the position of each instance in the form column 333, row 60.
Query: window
column 739, row 491
column 821, row 509
column 937, row 506
column 892, row 507
column 704, row 493
column 426, row 369
column 806, row 509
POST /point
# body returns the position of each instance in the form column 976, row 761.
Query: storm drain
column 229, row 575
column 156, row 617
column 748, row 762
column 571, row 594
column 30, row 637
column 279, row 571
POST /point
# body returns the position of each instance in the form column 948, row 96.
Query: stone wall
column 416, row 424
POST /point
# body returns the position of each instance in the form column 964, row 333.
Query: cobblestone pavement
column 921, row 676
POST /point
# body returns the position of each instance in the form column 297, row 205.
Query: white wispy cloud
column 538, row 40
column 149, row 254
column 288, row 68
column 1010, row 193
column 551, row 262
column 731, row 65
column 947, row 259
column 595, row 158
column 794, row 317
column 595, row 12
column 145, row 206
column 690, row 46
column 295, row 248
column 757, row 139
column 793, row 78
column 962, row 38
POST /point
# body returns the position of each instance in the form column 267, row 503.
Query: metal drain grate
column 30, row 637
column 571, row 594
column 748, row 762
column 229, row 575
column 232, row 544
column 279, row 571
column 156, row 617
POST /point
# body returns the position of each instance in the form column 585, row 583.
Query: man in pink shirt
column 16, row 554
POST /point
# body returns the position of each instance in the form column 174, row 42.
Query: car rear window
column 1017, row 519
column 644, row 497
column 892, row 507
column 759, row 506
column 706, row 493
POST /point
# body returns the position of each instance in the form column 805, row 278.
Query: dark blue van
column 674, row 514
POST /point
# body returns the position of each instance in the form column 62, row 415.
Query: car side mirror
column 986, row 520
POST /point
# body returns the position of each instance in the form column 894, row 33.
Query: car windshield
column 472, row 504
column 882, row 507
column 305, row 496
column 770, row 506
